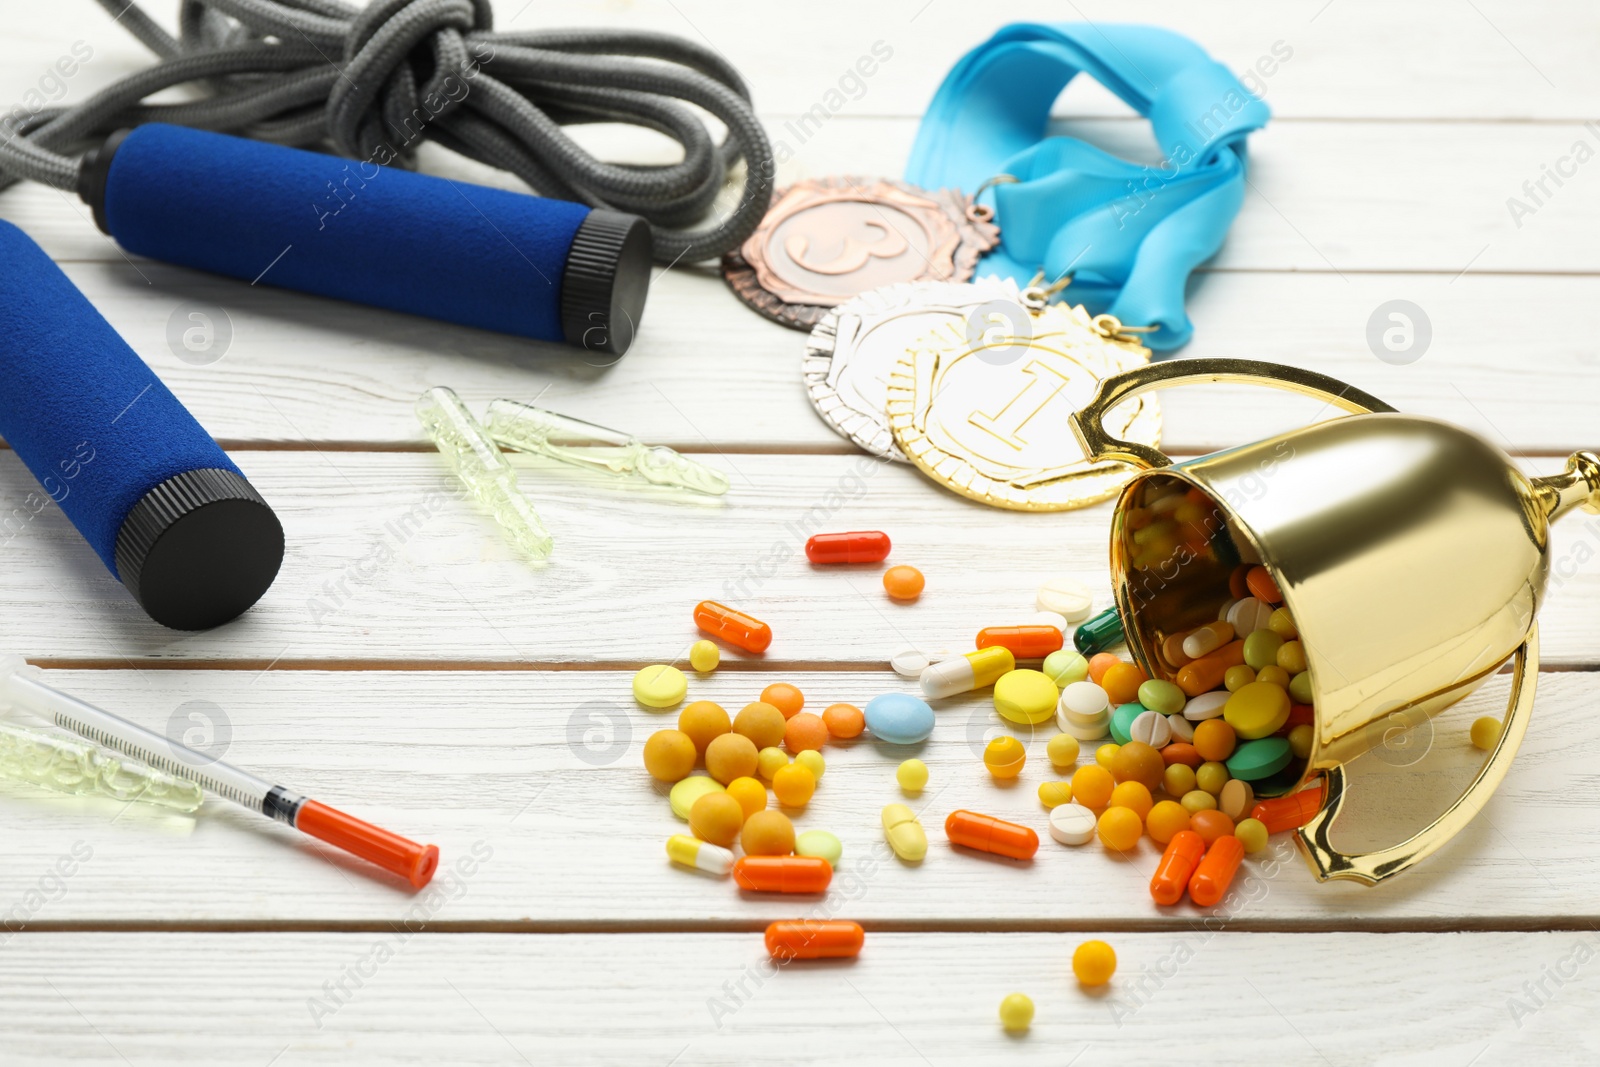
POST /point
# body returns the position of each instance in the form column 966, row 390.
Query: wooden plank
column 385, row 563
column 706, row 374
column 918, row 999
column 1359, row 58
column 1338, row 198
column 540, row 775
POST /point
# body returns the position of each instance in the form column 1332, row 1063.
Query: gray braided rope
column 375, row 82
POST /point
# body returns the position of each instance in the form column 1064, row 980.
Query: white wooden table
column 433, row 683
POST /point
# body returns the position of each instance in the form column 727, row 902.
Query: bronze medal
column 827, row 240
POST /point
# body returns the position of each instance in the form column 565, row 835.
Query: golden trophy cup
column 1372, row 511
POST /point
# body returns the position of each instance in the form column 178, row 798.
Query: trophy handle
column 1370, row 868
column 1089, row 422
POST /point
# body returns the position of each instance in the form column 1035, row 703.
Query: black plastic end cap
column 92, row 176
column 607, row 278
column 199, row 549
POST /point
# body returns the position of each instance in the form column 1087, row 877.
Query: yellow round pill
column 1211, row 776
column 1486, row 732
column 659, row 686
column 1105, row 754
column 1016, row 1013
column 1252, row 834
column 1276, row 675
column 793, row 786
column 691, row 789
column 1257, row 710
column 912, row 775
column 768, row 760
column 1055, row 794
column 812, row 761
column 1025, row 696
column 750, row 793
column 1062, row 751
column 1004, row 756
column 1300, row 739
column 704, row 656
column 1094, row 963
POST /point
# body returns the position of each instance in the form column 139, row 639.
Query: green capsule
column 1099, row 633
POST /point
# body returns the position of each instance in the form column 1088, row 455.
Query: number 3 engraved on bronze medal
column 1007, row 423
column 853, row 256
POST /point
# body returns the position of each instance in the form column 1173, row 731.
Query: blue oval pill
column 899, row 718
column 1122, row 719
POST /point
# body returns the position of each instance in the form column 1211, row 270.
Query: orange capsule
column 783, row 874
column 814, row 939
column 860, row 546
column 988, row 834
column 1177, row 866
column 1205, row 673
column 1262, row 586
column 1289, row 812
column 1025, row 642
column 734, row 627
column 1215, row 873
column 1299, row 715
column 1182, row 752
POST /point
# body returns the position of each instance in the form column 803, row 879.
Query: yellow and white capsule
column 701, row 855
column 963, row 674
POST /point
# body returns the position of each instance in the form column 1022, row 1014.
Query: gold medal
column 983, row 411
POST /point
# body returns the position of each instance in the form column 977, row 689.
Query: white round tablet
column 1182, row 729
column 1085, row 698
column 1050, row 618
column 1072, row 824
column 1248, row 616
column 1067, row 597
column 1205, row 706
column 1091, row 729
column 1150, row 727
column 1065, row 715
column 909, row 664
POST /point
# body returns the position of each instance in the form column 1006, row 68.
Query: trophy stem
column 1577, row 486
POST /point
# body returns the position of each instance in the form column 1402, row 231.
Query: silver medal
column 855, row 347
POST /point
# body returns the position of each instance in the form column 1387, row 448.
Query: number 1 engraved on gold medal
column 1007, row 423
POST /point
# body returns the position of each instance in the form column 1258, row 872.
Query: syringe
column 21, row 686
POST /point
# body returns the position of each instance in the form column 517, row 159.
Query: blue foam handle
column 343, row 228
column 85, row 414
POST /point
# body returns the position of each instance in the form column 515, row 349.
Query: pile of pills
column 1179, row 758
column 771, row 744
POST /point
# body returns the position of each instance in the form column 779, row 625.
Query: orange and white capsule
column 989, row 834
column 814, row 939
column 783, row 874
column 734, row 627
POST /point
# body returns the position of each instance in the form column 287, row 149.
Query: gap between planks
column 1154, row 925
column 737, row 666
